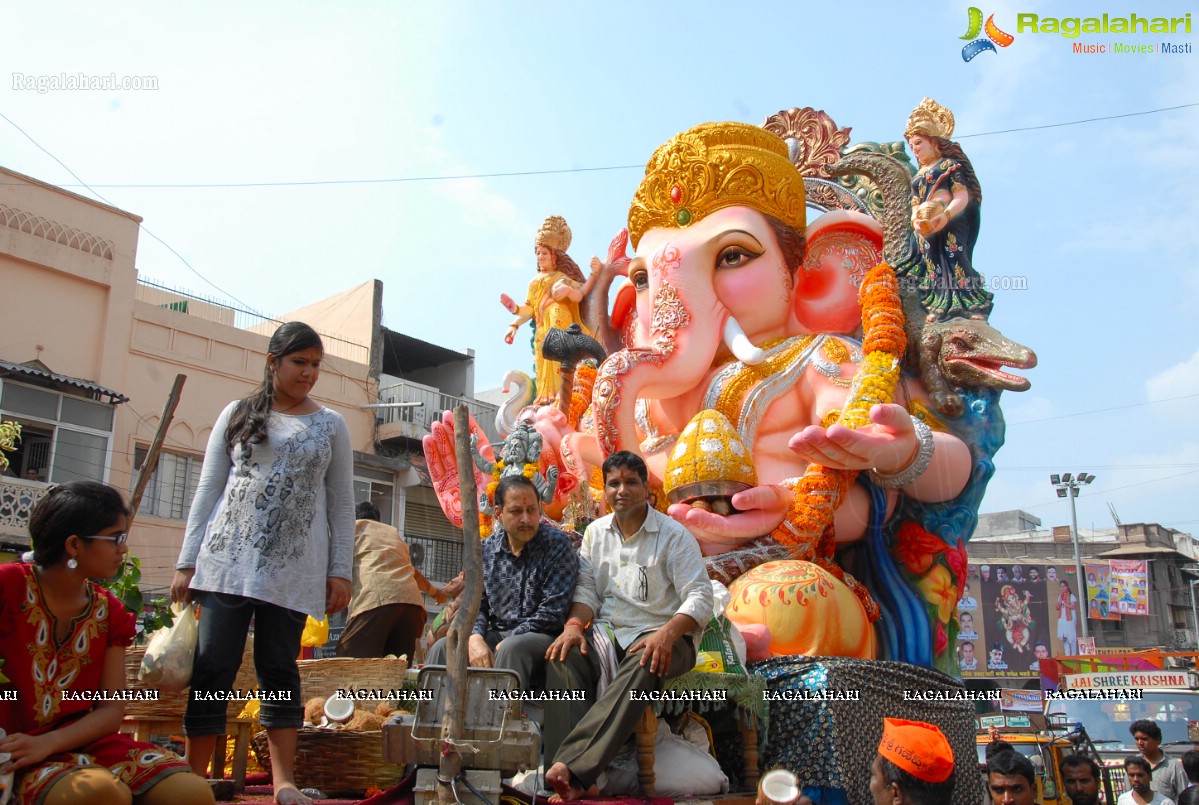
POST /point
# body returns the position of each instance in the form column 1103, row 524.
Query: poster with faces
column 1099, row 599
column 1130, row 586
column 1008, row 618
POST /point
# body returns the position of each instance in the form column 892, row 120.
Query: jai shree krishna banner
column 1130, row 586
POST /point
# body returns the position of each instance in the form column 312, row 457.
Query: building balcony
column 17, row 499
column 422, row 405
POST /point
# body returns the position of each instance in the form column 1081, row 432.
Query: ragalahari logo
column 994, row 36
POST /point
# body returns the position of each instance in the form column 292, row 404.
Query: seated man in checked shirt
column 529, row 573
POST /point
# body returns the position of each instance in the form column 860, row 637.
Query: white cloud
column 1179, row 380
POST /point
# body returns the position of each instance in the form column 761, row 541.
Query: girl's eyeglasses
column 118, row 539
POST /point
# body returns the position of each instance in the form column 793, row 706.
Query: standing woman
column 64, row 644
column 270, row 536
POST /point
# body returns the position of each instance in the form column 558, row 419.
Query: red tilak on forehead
column 667, row 259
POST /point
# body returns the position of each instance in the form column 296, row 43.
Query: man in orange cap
column 914, row 765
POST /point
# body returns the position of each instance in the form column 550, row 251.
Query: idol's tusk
column 740, row 345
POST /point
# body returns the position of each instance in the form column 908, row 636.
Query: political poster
column 1099, row 599
column 1130, row 586
column 1013, row 615
column 1021, row 701
column 1011, row 628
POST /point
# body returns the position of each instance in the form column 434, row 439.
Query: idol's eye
column 735, row 257
column 639, row 277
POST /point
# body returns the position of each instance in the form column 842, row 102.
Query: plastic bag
column 167, row 664
column 316, row 633
column 6, row 779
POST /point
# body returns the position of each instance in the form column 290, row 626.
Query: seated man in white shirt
column 642, row 582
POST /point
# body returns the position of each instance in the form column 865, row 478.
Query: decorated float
column 799, row 347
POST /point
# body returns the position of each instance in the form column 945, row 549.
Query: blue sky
column 1098, row 219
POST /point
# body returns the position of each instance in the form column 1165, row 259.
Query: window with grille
column 172, row 484
column 438, row 560
column 434, row 542
column 66, row 438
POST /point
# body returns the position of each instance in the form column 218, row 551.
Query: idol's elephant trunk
column 520, row 386
column 687, row 325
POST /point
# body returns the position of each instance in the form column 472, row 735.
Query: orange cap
column 918, row 748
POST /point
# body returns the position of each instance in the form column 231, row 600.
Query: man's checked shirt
column 527, row 593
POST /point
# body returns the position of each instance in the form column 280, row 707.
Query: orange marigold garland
column 486, row 520
column 808, row 526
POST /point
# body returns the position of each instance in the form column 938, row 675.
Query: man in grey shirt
column 1169, row 778
column 642, row 582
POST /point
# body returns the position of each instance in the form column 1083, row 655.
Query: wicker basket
column 338, row 762
column 342, row 762
column 326, row 676
column 173, row 703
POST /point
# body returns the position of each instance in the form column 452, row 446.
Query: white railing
column 214, row 310
column 17, row 499
column 431, row 403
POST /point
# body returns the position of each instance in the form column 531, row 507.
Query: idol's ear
column 842, row 247
column 624, row 313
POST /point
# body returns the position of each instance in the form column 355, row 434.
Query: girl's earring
column 72, row 563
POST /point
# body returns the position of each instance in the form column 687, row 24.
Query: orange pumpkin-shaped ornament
column 807, row 610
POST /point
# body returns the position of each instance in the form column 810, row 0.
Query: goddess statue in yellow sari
column 553, row 301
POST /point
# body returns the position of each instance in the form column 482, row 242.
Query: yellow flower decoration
column 10, row 434
column 940, row 591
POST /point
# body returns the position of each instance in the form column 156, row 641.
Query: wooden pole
column 453, row 722
column 143, row 475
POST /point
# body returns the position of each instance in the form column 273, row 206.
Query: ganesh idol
column 755, row 349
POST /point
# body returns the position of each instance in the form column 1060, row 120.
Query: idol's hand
column 759, row 511
column 443, row 464
column 888, row 444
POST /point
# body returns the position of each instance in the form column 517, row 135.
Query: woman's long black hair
column 247, row 425
column 951, row 150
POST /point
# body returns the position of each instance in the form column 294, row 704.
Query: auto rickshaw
column 1045, row 745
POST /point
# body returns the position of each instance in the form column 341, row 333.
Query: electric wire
column 542, row 171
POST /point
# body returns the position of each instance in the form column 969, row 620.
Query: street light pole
column 1067, row 486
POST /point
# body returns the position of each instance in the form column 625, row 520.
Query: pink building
column 89, row 352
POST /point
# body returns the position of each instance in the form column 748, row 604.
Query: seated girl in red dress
column 64, row 642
